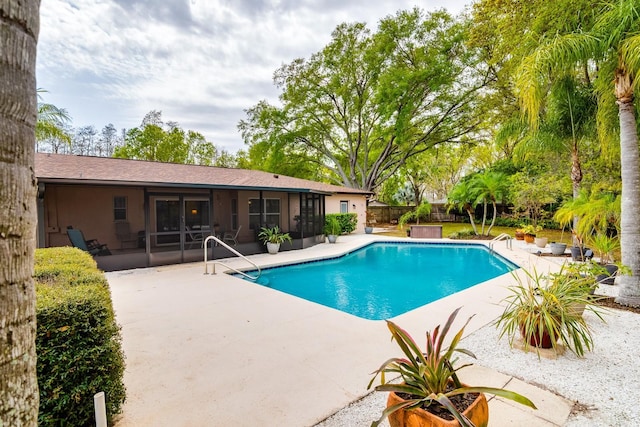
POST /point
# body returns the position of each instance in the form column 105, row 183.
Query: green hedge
column 348, row 221
column 78, row 341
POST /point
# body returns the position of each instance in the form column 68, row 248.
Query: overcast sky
column 201, row 62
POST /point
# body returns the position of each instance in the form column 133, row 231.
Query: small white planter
column 332, row 238
column 541, row 242
column 273, row 248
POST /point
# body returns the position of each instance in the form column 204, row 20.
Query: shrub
column 348, row 221
column 465, row 233
column 332, row 226
column 78, row 342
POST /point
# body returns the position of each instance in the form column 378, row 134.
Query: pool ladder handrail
column 503, row 236
column 213, row 262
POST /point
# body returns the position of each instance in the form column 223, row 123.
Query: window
column 197, row 214
column 119, row 208
column 344, row 206
column 270, row 212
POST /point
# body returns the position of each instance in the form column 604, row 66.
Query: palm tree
column 18, row 380
column 464, row 197
column 489, row 188
column 51, row 121
column 614, row 45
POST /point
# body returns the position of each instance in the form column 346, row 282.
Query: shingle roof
column 108, row 170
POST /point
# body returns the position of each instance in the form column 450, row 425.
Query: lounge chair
column 124, row 234
column 196, row 237
column 92, row 246
column 231, row 237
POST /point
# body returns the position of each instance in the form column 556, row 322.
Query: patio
column 217, row 350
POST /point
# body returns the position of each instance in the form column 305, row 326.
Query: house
column 151, row 213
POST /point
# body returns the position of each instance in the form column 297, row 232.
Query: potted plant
column 430, row 387
column 332, row 228
column 530, row 231
column 595, row 213
column 273, row 238
column 542, row 310
column 603, row 246
column 519, row 234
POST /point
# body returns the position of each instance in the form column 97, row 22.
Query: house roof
column 61, row 168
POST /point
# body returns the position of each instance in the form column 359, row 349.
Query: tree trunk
column 576, row 179
column 19, row 23
column 630, row 206
column 495, row 214
column 473, row 223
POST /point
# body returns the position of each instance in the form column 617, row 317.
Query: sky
column 201, row 62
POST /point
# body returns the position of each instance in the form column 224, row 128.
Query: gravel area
column 605, row 384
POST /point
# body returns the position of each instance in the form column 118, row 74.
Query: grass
column 449, row 228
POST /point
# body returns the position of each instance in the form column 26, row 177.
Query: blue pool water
column 383, row 280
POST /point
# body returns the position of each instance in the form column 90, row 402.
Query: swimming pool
column 383, row 280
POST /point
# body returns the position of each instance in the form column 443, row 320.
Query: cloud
column 202, row 62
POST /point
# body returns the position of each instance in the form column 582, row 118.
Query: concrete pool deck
column 216, row 350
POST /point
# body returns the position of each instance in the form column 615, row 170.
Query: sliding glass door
column 179, row 223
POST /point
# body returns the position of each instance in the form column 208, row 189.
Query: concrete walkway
column 215, row 350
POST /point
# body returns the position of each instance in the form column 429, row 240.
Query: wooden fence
column 391, row 214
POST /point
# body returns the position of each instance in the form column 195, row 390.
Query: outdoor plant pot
column 535, row 340
column 541, row 242
column 273, row 248
column 368, row 230
column 610, row 278
column 477, row 412
column 577, row 253
column 332, row 238
column 519, row 235
column 529, row 238
column 557, row 248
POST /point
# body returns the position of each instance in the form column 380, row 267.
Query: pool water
column 383, row 280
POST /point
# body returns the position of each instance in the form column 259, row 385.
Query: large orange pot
column 529, row 238
column 478, row 413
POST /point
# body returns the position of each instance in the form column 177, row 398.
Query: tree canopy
column 155, row 141
column 366, row 103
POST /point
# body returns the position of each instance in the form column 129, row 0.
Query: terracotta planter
column 535, row 339
column 529, row 238
column 478, row 413
column 519, row 235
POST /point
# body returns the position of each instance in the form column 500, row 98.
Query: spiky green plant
column 540, row 304
column 426, row 376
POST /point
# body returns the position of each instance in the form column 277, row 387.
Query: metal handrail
column 503, row 236
column 213, row 262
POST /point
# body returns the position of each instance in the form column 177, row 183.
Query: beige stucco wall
column 360, row 201
column 89, row 209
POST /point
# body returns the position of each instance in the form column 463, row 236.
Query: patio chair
column 124, row 234
column 92, row 246
column 230, row 237
column 196, row 236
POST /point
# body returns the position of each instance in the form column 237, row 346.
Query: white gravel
column 605, row 383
